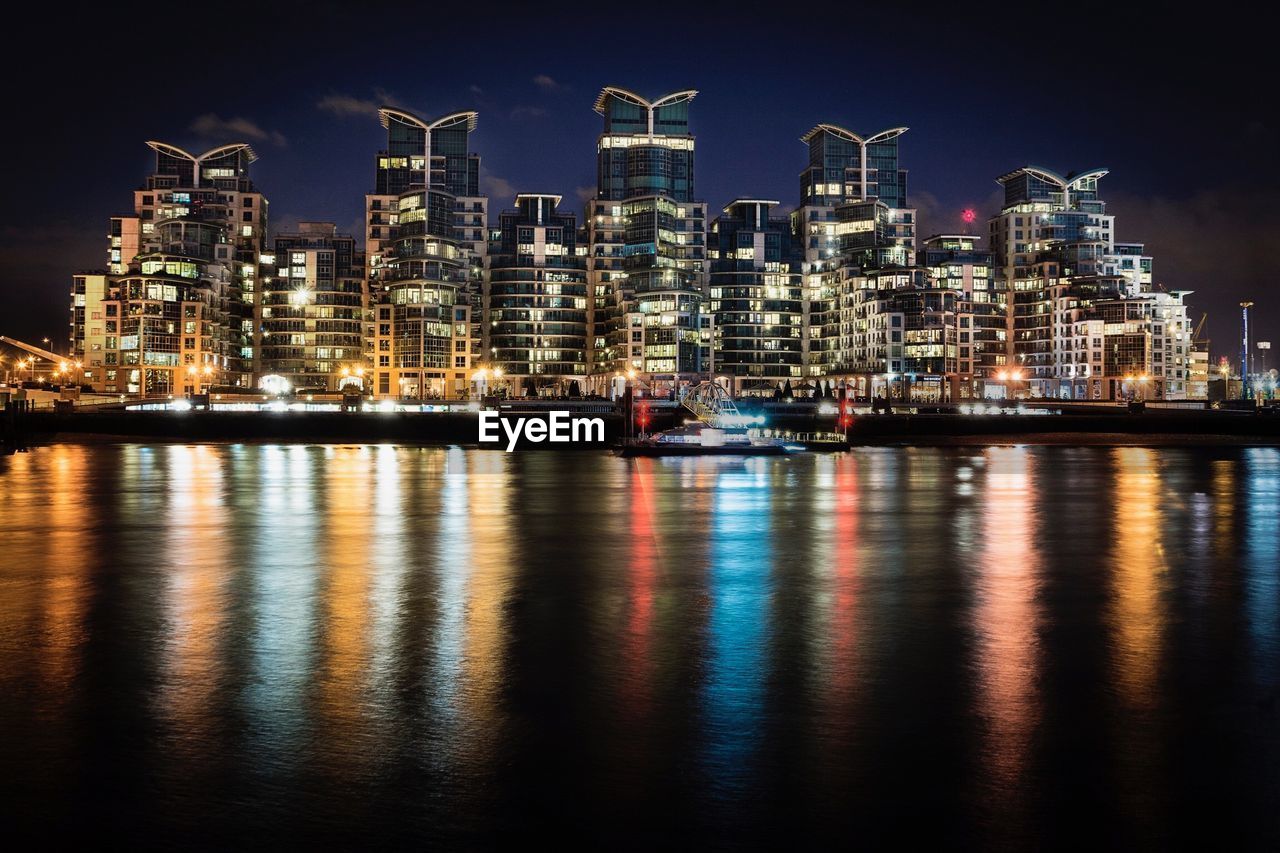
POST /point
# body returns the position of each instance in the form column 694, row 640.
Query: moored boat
column 700, row 439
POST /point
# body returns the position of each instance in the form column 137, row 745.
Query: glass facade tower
column 178, row 310
column 536, row 297
column 647, row 243
column 425, row 256
column 756, row 297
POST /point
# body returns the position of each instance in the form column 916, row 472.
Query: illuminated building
column 1085, row 321
column 536, row 297
column 878, row 317
column 425, row 241
column 176, row 313
column 313, row 309
column 646, row 242
column 955, row 263
column 844, row 168
column 756, row 297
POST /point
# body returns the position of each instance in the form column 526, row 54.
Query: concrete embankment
column 326, row 427
column 441, row 428
column 1163, row 427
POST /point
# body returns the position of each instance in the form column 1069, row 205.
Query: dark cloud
column 1218, row 243
column 348, row 106
column 239, row 129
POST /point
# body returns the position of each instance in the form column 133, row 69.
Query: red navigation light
column 969, row 214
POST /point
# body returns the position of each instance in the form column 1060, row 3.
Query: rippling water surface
column 213, row 644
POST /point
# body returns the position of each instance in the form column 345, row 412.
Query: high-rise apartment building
column 1054, row 305
column 176, row 312
column 314, row 308
column 426, row 235
column 536, row 297
column 852, row 215
column 1086, row 322
column 756, row 291
column 956, row 262
column 646, row 237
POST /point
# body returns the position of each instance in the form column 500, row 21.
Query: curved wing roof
column 388, row 114
column 468, row 117
column 833, row 129
column 1069, row 182
column 849, row 135
column 1085, row 175
column 170, row 150
column 887, row 134
column 631, row 97
column 232, row 148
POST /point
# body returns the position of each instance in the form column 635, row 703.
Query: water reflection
column 740, row 585
column 1006, row 622
column 283, row 564
column 347, row 710
column 1137, row 617
column 1138, row 562
column 464, row 644
column 489, row 573
column 1261, row 532
column 194, row 576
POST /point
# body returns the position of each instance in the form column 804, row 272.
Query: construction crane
column 1195, row 336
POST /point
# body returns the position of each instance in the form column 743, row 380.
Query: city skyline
column 195, row 294
column 536, row 130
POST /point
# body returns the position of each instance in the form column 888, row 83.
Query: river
column 216, row 644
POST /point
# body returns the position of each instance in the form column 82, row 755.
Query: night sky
column 1167, row 105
